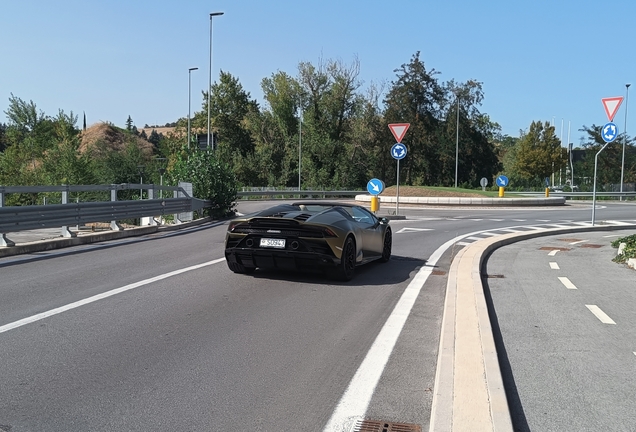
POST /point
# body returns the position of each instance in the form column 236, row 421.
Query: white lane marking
column 600, row 314
column 510, row 230
column 496, row 220
column 620, row 223
column 558, row 225
column 582, row 223
column 474, row 238
column 354, row 402
column 519, row 220
column 554, row 266
column 543, row 220
column 578, row 242
column 490, row 234
column 553, row 252
column 74, row 305
column 476, row 220
column 565, row 281
column 612, row 235
column 462, row 243
column 405, row 230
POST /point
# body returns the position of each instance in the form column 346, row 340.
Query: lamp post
column 162, row 171
column 213, row 14
column 189, row 98
column 624, row 137
column 300, row 139
column 457, row 142
column 140, row 168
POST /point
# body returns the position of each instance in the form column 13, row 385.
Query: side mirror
column 384, row 221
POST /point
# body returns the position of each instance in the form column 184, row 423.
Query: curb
column 454, row 201
column 469, row 390
column 63, row 242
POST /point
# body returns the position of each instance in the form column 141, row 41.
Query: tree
column 129, row 124
column 539, row 153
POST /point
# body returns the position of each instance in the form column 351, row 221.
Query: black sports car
column 308, row 235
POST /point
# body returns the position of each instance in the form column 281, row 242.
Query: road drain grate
column 495, row 276
column 438, row 273
column 381, row 426
column 593, row 246
column 551, row 248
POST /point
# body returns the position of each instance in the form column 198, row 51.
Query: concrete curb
column 63, row 242
column 459, row 201
column 469, row 390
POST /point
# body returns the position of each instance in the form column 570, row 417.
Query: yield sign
column 611, row 106
column 399, row 130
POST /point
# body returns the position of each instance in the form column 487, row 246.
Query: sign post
column 398, row 151
column 502, row 182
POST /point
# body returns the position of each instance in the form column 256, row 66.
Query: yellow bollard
column 501, row 191
column 547, row 192
column 375, row 204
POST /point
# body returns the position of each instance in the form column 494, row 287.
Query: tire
column 387, row 246
column 347, row 267
column 240, row 268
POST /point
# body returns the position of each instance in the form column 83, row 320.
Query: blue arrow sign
column 502, row 181
column 375, row 186
column 609, row 132
column 398, row 151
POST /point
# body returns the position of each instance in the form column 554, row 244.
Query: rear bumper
column 279, row 259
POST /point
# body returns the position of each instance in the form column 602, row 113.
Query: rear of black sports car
column 284, row 240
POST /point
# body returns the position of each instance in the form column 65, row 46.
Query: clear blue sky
column 537, row 59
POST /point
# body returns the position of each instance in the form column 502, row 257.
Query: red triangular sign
column 611, row 106
column 399, row 130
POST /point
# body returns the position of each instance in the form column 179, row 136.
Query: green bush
column 630, row 248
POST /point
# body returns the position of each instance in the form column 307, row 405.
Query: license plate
column 273, row 243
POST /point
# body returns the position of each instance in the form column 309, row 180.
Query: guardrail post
column 113, row 197
column 151, row 195
column 65, row 231
column 175, row 194
column 4, row 241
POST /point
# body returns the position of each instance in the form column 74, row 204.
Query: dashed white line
column 568, row 284
column 554, row 266
column 602, row 316
column 553, row 252
column 578, row 242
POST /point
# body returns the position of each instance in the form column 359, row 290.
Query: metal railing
column 271, row 193
column 29, row 217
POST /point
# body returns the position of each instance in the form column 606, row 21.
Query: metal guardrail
column 578, row 194
column 307, row 193
column 22, row 218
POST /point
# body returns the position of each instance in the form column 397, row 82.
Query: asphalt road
column 155, row 333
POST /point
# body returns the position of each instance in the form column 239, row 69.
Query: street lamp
column 140, row 168
column 162, row 171
column 457, row 142
column 189, row 98
column 213, row 14
column 624, row 137
column 300, row 138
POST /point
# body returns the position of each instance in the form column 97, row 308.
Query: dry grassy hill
column 104, row 137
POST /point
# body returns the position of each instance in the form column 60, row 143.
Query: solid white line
column 565, row 281
column 510, row 230
column 558, row 225
column 354, row 402
column 554, row 266
column 101, row 296
column 474, row 238
column 619, row 223
column 553, row 252
column 600, row 314
column 490, row 234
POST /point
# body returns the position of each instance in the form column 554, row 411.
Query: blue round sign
column 375, row 186
column 609, row 132
column 398, row 151
column 502, row 181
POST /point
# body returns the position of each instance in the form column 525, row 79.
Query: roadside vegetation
column 628, row 252
column 323, row 115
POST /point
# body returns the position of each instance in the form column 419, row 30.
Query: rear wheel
column 240, row 268
column 346, row 268
column 387, row 245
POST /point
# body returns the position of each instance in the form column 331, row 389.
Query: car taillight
column 232, row 226
column 328, row 233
